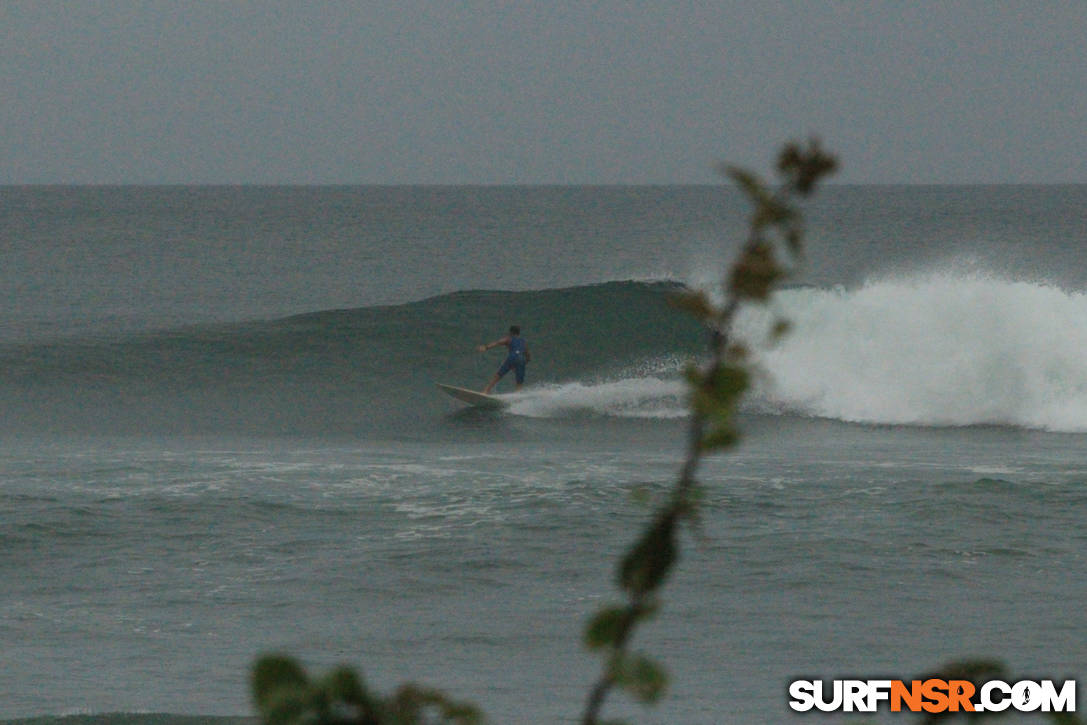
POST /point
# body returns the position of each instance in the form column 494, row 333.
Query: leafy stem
column 715, row 391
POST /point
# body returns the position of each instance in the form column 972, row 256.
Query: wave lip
column 932, row 350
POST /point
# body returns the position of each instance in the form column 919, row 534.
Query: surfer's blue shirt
column 517, row 349
column 515, row 359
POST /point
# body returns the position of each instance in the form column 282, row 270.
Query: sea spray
column 642, row 397
column 934, row 349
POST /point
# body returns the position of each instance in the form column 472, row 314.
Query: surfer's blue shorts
column 517, row 366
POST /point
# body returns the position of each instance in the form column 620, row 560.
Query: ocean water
column 220, row 437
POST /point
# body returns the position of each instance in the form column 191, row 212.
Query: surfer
column 516, row 360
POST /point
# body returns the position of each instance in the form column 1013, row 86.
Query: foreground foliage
column 773, row 245
column 285, row 695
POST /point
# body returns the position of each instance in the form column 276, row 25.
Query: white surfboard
column 473, row 397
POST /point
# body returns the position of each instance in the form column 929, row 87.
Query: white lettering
column 803, row 694
column 834, row 703
column 1063, row 701
column 993, row 703
column 1026, row 696
column 854, row 695
column 878, row 690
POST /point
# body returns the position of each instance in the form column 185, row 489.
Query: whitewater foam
column 635, row 397
column 936, row 349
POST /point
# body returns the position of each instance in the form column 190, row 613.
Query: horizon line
column 499, row 185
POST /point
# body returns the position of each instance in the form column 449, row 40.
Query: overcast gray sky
column 537, row 92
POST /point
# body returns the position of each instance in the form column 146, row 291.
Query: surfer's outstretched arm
column 496, row 343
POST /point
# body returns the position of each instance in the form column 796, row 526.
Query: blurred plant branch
column 715, row 390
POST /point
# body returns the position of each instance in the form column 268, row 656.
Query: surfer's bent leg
column 497, row 376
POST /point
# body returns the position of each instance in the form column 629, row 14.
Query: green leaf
column 749, row 183
column 755, row 273
column 702, row 402
column 780, row 329
column 287, row 705
column 718, row 437
column 274, row 674
column 737, row 352
column 643, row 678
column 463, row 713
column 693, row 374
column 728, row 382
column 606, row 626
column 715, row 393
column 802, row 168
column 772, row 212
column 694, row 302
column 411, row 701
column 344, row 685
column 646, row 565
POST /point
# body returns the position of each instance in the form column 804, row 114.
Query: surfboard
column 473, row 397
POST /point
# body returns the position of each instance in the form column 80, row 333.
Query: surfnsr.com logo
column 932, row 696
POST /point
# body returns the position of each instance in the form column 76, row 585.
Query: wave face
column 372, row 368
column 938, row 349
column 927, row 350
